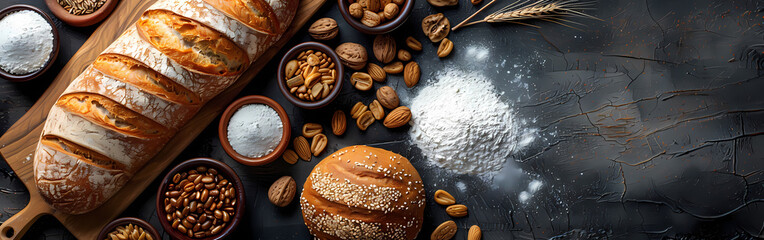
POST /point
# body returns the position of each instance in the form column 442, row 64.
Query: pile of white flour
column 461, row 124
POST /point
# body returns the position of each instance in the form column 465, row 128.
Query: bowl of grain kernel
column 129, row 228
column 310, row 75
column 81, row 13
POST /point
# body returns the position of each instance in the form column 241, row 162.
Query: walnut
column 443, row 3
column 356, row 10
column 436, row 27
column 324, row 29
column 371, row 19
column 384, row 48
column 391, row 10
column 352, row 55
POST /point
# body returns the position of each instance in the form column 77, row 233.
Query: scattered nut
column 376, row 72
column 282, row 191
column 302, row 147
column 352, row 55
column 444, row 231
column 474, row 233
column 358, row 109
column 311, row 129
column 413, row 44
column 436, row 27
column 377, row 110
column 445, row 48
column 324, row 29
column 384, row 48
column 393, row 68
column 444, row 198
column 290, row 156
column 443, row 3
column 387, row 97
column 339, row 123
column 318, row 144
column 457, row 210
column 365, row 120
column 411, row 74
column 361, row 81
column 398, row 117
column 404, row 55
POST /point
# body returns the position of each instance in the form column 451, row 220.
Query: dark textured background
column 649, row 122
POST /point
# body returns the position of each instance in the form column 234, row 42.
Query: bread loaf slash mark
column 137, row 74
column 91, row 157
column 255, row 14
column 110, row 114
column 191, row 44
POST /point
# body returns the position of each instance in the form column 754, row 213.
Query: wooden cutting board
column 18, row 143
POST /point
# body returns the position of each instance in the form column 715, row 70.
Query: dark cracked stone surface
column 648, row 126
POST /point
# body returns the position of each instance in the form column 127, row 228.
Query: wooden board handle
column 16, row 226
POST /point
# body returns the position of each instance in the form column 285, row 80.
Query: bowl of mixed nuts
column 375, row 16
column 201, row 198
column 310, row 75
column 129, row 228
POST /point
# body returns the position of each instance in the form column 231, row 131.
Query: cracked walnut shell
column 436, row 27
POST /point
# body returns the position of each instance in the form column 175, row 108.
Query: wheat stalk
column 546, row 10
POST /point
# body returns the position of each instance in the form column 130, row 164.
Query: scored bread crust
column 362, row 192
column 120, row 112
column 256, row 14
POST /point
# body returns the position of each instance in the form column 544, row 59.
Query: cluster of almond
column 303, row 149
column 447, row 229
column 372, row 13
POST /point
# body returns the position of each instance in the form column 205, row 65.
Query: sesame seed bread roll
column 361, row 192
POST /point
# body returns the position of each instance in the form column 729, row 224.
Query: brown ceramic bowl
column 223, row 170
column 128, row 220
column 53, row 54
column 81, row 20
column 390, row 25
column 226, row 117
column 291, row 54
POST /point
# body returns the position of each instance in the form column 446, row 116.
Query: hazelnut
column 356, row 10
column 391, row 10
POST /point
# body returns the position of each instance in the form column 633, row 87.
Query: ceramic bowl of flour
column 45, row 63
column 254, row 130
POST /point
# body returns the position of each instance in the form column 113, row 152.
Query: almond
column 458, row 210
column 411, row 74
column 339, row 123
column 445, row 231
column 474, row 233
column 387, row 97
column 377, row 110
column 311, row 129
column 398, row 117
column 365, row 120
column 444, row 198
column 404, row 55
column 358, row 109
column 393, row 68
column 282, row 191
column 376, row 72
column 445, row 48
column 361, row 81
column 302, row 147
column 318, row 144
column 413, row 44
column 290, row 156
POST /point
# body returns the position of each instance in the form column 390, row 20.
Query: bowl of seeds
column 201, row 198
column 129, row 228
column 310, row 75
column 81, row 13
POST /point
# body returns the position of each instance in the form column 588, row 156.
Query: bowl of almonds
column 129, row 228
column 201, row 198
column 375, row 16
column 310, row 75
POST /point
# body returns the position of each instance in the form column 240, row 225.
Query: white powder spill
column 461, row 124
column 477, row 53
column 533, row 187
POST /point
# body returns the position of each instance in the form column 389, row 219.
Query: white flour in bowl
column 461, row 124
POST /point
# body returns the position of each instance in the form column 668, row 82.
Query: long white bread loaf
column 121, row 111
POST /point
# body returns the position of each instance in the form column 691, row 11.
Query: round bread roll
column 362, row 192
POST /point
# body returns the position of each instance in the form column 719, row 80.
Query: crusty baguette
column 121, row 111
column 362, row 192
column 256, row 14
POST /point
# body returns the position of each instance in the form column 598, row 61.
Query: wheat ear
column 546, row 10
